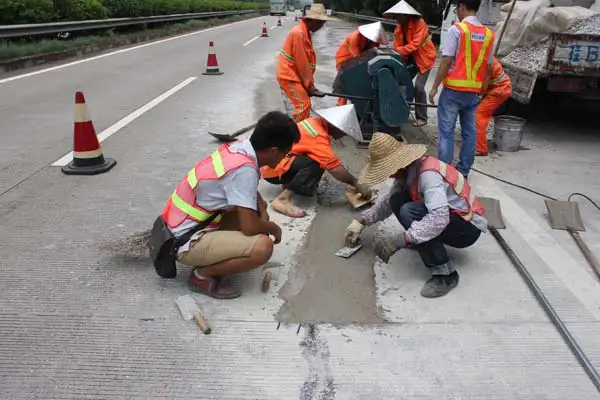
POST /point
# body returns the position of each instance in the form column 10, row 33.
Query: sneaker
column 439, row 285
column 217, row 288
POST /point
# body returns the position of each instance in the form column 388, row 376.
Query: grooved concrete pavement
column 77, row 322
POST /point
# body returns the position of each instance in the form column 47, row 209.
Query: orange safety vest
column 287, row 67
column 468, row 74
column 453, row 178
column 182, row 205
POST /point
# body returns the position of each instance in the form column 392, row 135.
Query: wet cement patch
column 324, row 288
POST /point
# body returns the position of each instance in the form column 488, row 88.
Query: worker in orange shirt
column 301, row 172
column 298, row 62
column 413, row 41
column 366, row 37
column 498, row 91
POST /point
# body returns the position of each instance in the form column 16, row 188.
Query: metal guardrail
column 386, row 21
column 13, row 31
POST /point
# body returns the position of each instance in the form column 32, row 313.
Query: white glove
column 353, row 232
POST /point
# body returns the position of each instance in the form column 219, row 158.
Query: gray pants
column 421, row 95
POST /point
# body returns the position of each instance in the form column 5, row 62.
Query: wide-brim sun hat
column 401, row 8
column 344, row 118
column 374, row 32
column 317, row 12
column 388, row 155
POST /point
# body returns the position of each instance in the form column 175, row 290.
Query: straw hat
column 374, row 32
column 386, row 156
column 401, row 8
column 317, row 12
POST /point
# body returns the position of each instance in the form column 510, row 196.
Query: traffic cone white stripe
column 81, row 113
column 88, row 154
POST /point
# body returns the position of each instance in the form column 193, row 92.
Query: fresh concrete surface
column 79, row 322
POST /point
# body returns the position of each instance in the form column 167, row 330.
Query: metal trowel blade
column 187, row 307
column 347, row 251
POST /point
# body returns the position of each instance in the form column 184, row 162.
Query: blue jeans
column 451, row 105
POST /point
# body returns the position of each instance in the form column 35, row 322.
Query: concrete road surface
column 79, row 322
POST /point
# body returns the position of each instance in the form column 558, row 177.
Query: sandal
column 217, row 288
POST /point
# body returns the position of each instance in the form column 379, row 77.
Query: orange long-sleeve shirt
column 499, row 82
column 297, row 59
column 352, row 46
column 417, row 42
column 315, row 143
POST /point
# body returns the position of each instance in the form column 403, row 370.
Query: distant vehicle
column 277, row 7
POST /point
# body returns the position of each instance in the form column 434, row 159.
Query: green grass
column 14, row 50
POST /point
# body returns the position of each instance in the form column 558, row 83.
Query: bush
column 26, row 11
column 40, row 11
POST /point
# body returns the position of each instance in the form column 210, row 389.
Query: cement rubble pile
column 533, row 57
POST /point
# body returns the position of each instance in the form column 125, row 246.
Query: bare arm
column 443, row 69
column 343, row 175
column 251, row 224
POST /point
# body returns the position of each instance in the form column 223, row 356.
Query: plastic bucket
column 508, row 132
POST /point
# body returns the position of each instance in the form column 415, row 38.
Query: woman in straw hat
column 298, row 62
column 413, row 41
column 432, row 201
column 364, row 38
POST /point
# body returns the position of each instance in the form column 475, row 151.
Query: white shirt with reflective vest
column 237, row 188
column 452, row 41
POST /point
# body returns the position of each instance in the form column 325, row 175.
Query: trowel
column 356, row 202
column 223, row 137
column 189, row 310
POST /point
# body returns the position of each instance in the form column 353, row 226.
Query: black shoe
column 439, row 285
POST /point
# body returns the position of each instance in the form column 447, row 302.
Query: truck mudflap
column 574, row 54
column 522, row 81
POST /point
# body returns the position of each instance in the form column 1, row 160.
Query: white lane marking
column 274, row 26
column 129, row 118
column 578, row 280
column 41, row 71
column 251, row 40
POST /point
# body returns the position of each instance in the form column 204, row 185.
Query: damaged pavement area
column 80, row 321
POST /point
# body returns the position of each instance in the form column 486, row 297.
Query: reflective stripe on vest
column 497, row 80
column 309, row 128
column 291, row 59
column 425, row 41
column 470, row 69
column 182, row 204
column 455, row 179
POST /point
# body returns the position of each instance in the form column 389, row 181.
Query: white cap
column 344, row 118
column 402, row 7
column 374, row 32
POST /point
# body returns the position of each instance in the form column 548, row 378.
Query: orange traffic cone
column 87, row 153
column 212, row 66
column 278, row 21
column 264, row 32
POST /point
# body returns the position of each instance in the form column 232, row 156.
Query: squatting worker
column 366, row 37
column 430, row 199
column 413, row 41
column 298, row 62
column 498, row 91
column 221, row 195
column 312, row 156
column 465, row 69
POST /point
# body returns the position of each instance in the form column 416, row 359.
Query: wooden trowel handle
column 243, row 130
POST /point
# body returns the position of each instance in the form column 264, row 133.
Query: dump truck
column 565, row 63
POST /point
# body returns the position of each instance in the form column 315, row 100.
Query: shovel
column 564, row 215
column 223, row 137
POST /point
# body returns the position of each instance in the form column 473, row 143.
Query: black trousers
column 459, row 233
column 302, row 178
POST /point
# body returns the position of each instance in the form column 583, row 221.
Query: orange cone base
column 213, row 72
column 84, row 166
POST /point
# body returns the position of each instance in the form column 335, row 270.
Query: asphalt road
column 77, row 322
